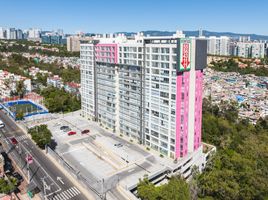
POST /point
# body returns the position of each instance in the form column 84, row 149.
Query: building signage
column 185, row 55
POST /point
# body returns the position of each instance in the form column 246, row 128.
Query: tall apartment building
column 34, row 34
column 147, row 88
column 2, row 33
column 19, row 34
column 73, row 42
column 266, row 49
column 249, row 49
column 219, row 45
column 11, row 34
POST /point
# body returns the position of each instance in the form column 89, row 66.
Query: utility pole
column 29, row 160
column 102, row 190
column 20, row 151
column 28, row 167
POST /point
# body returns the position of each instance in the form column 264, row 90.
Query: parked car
column 72, row 133
column 17, row 176
column 14, row 141
column 8, row 168
column 85, row 131
column 118, row 145
column 64, row 127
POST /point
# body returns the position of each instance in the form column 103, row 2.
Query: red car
column 85, row 131
column 14, row 141
column 72, row 133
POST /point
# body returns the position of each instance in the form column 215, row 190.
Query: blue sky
column 241, row 16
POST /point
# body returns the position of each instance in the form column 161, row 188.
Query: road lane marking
column 78, row 191
column 35, row 160
column 68, row 194
column 65, row 196
column 71, row 193
column 131, row 170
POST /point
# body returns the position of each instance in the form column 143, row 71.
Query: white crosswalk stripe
column 71, row 192
column 56, row 198
column 67, row 194
column 75, row 189
column 63, row 197
column 19, row 138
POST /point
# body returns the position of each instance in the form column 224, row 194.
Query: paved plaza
column 104, row 158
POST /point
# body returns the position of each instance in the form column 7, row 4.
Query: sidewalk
column 20, row 197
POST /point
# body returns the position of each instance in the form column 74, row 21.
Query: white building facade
column 147, row 88
column 219, row 45
column 249, row 49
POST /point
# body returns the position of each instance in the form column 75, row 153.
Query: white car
column 2, row 125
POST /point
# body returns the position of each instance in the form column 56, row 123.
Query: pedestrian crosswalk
column 20, row 138
column 67, row 194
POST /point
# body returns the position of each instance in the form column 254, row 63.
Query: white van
column 2, row 125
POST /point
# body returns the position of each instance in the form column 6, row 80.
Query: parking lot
column 104, row 158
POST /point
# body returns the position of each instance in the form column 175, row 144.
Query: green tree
column 239, row 170
column 7, row 186
column 175, row 189
column 41, row 79
column 20, row 89
column 58, row 100
column 41, row 135
column 232, row 66
column 20, row 115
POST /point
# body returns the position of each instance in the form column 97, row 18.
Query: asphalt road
column 49, row 179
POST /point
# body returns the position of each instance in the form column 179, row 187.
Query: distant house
column 8, row 83
column 72, row 87
column 55, row 81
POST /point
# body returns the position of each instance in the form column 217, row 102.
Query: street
column 52, row 182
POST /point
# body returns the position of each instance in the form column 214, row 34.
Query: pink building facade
column 147, row 88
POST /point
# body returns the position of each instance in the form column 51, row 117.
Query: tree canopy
column 58, row 100
column 7, row 186
column 239, row 169
column 175, row 189
column 232, row 66
column 41, row 135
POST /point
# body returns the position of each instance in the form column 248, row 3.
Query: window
column 164, row 50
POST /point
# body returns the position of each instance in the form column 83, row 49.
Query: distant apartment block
column 266, row 49
column 52, row 39
column 2, row 33
column 11, row 34
column 249, row 49
column 223, row 46
column 55, row 81
column 73, row 43
column 219, row 45
column 146, row 88
column 34, row 34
